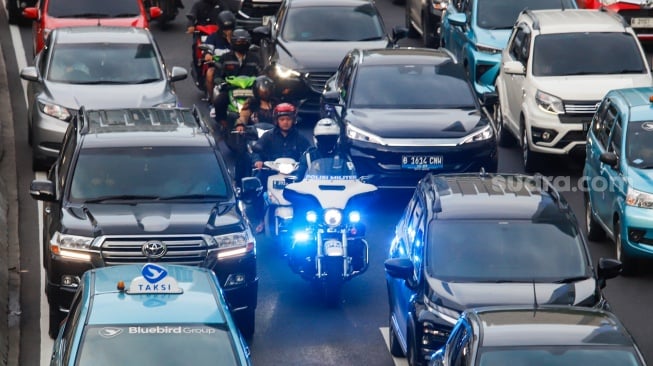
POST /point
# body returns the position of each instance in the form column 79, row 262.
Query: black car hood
column 108, row 96
column 319, row 56
column 459, row 296
column 149, row 218
column 416, row 123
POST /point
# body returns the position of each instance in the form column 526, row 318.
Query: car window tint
column 615, row 137
column 494, row 14
column 148, row 171
column 558, row 54
column 606, row 126
column 412, row 86
column 521, row 250
column 639, row 150
column 130, row 63
column 92, row 9
column 599, row 118
column 333, row 23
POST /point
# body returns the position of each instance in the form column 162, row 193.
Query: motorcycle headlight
column 230, row 245
column 549, row 103
column 56, row 111
column 358, row 134
column 71, row 246
column 286, row 168
column 485, row 133
column 311, row 216
column 285, row 72
column 354, row 217
column 640, row 199
column 488, row 49
column 332, row 217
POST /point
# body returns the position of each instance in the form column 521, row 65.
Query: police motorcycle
column 328, row 244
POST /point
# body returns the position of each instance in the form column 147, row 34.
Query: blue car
column 618, row 174
column 149, row 315
column 476, row 31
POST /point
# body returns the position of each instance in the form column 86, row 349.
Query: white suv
column 556, row 68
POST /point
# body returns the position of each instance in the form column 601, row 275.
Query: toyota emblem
column 154, row 249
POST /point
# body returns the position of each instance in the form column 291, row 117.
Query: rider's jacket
column 273, row 144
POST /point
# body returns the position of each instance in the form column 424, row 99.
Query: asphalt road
column 293, row 328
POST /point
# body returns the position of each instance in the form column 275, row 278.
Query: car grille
column 317, row 80
column 260, row 9
column 578, row 111
column 188, row 250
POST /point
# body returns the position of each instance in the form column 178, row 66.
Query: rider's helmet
column 226, row 20
column 326, row 134
column 263, row 87
column 240, row 40
column 284, row 109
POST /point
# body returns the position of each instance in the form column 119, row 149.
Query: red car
column 51, row 14
column 638, row 13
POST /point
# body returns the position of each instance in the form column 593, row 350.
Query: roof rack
column 152, row 118
column 545, row 185
column 536, row 22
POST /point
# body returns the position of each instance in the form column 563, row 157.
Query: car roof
column 578, row 20
column 638, row 100
column 549, row 325
column 312, row 3
column 475, row 196
column 104, row 34
column 197, row 304
column 399, row 56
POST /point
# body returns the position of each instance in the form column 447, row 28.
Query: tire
column 412, row 354
column 332, row 285
column 39, row 164
column 594, row 230
column 56, row 317
column 428, row 38
column 395, row 346
column 246, row 322
column 530, row 159
column 412, row 32
column 630, row 265
column 504, row 137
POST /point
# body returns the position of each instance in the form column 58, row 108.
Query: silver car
column 95, row 67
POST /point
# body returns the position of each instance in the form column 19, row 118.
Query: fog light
column 635, row 235
column 234, row 280
column 70, row 281
column 546, row 136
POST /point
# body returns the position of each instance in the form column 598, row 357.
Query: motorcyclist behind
column 221, row 42
column 283, row 141
column 241, row 60
column 202, row 12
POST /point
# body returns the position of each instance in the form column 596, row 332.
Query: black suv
column 469, row 240
column 144, row 185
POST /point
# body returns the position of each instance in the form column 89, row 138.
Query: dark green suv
column 144, row 185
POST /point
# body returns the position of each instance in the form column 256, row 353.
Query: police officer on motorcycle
column 326, row 136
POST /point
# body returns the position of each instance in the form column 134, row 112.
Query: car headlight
column 488, row 49
column 637, row 198
column 332, row 217
column 230, row 245
column 485, row 133
column 285, row 72
column 448, row 315
column 358, row 134
column 549, row 103
column 56, row 111
column 71, row 246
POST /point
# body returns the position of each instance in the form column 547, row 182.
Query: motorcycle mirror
column 251, row 188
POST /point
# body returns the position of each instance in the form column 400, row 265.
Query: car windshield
column 157, row 345
column 96, row 63
column 558, row 356
column 588, row 53
column 506, row 250
column 410, row 86
column 639, row 151
column 333, row 23
column 493, row 14
column 147, row 172
column 93, row 9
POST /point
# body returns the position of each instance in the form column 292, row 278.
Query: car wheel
column 529, row 157
column 504, row 137
column 412, row 32
column 247, row 323
column 428, row 35
column 412, row 353
column 629, row 263
column 395, row 346
column 56, row 317
column 39, row 164
column 594, row 230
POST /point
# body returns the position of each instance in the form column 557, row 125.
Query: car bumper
column 569, row 132
column 382, row 165
column 637, row 232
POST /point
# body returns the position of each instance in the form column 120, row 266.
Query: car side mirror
column 29, row 73
column 31, row 13
column 155, row 12
column 178, row 73
column 398, row 32
column 458, row 19
column 331, row 97
column 610, row 159
column 514, row 67
column 401, row 268
column 42, row 190
column 262, row 31
column 608, row 268
column 489, row 99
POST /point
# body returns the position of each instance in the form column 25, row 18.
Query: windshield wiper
column 123, row 197
column 186, row 196
column 370, row 39
column 145, row 81
column 571, row 279
column 328, row 40
column 97, row 82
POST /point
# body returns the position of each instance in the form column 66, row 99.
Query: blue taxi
column 149, row 315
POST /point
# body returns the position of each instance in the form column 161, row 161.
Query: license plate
column 641, row 22
column 422, row 162
column 266, row 19
column 333, row 248
column 242, row 93
column 203, row 38
column 279, row 184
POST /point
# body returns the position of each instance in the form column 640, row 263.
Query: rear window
column 589, row 53
column 93, row 8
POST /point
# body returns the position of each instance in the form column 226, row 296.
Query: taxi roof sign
column 154, row 280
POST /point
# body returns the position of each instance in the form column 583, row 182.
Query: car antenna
column 534, row 299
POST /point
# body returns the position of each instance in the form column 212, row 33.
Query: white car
column 557, row 67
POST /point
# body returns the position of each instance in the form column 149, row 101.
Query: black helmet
column 241, row 40
column 263, row 87
column 226, row 20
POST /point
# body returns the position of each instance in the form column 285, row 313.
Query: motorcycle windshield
column 331, row 168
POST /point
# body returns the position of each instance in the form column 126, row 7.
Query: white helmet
column 326, row 134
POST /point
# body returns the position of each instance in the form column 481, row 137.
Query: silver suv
column 556, row 68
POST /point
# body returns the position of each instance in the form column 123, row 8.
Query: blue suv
column 618, row 174
column 476, row 31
